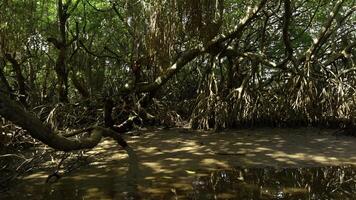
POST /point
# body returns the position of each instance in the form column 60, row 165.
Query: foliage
column 290, row 63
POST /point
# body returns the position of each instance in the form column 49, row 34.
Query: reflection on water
column 238, row 183
column 270, row 183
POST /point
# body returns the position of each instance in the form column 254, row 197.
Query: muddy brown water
column 301, row 163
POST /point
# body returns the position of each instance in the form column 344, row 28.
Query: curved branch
column 244, row 22
column 179, row 64
column 322, row 33
column 190, row 55
column 13, row 112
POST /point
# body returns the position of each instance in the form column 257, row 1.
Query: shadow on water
column 189, row 166
column 238, row 183
column 272, row 183
column 103, row 181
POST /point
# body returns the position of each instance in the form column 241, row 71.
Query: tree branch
column 319, row 40
column 13, row 112
column 190, row 55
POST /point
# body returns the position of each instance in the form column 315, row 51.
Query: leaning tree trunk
column 13, row 112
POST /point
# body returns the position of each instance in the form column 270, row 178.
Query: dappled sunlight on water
column 237, row 183
column 248, row 164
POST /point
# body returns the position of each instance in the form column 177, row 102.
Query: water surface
column 239, row 183
column 243, row 164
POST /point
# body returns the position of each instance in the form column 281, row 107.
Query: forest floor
column 167, row 159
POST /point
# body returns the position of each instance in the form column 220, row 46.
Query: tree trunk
column 62, row 74
column 3, row 81
column 80, row 86
column 61, row 45
column 19, row 78
column 13, row 112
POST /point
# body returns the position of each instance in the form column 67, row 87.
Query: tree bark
column 61, row 45
column 14, row 113
column 214, row 46
column 3, row 81
column 19, row 78
column 80, row 86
